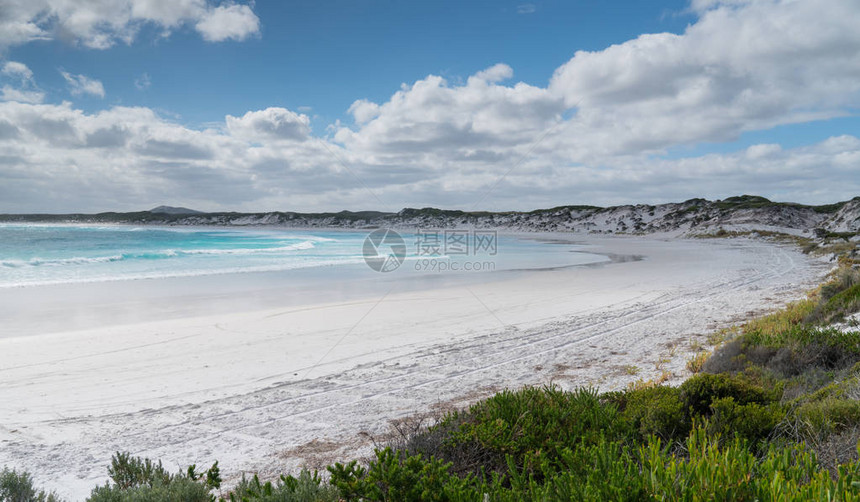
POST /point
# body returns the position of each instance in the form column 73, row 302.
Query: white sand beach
column 271, row 389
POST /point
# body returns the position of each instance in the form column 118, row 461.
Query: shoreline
column 89, row 303
column 249, row 404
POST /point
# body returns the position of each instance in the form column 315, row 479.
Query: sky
column 124, row 105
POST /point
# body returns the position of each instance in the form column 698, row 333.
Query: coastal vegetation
column 773, row 414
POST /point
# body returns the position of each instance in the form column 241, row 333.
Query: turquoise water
column 35, row 254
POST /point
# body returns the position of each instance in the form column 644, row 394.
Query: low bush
column 844, row 278
column 830, row 415
column 307, row 487
column 657, row 411
column 18, row 487
column 810, row 383
column 733, row 472
column 397, row 476
column 838, row 306
column 727, row 358
column 754, row 422
column 695, row 363
column 532, row 425
column 178, row 490
column 135, row 479
column 608, row 470
column 700, row 391
column 792, row 315
column 788, row 353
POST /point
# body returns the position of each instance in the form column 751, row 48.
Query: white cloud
column 363, row 110
column 24, row 89
column 431, row 117
column 761, row 151
column 495, row 73
column 744, row 65
column 143, row 82
column 127, row 157
column 9, row 93
column 101, row 24
column 228, row 22
column 269, row 124
column 18, row 70
column 526, row 8
column 58, row 158
column 81, row 84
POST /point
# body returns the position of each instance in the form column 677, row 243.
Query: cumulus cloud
column 495, row 73
column 59, row 158
column 230, row 22
column 17, row 70
column 744, row 65
column 431, row 117
column 363, row 110
column 100, row 25
column 269, row 124
column 81, row 84
column 19, row 84
column 9, row 93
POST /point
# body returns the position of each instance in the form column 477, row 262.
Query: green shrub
column 847, row 388
column 135, row 479
column 843, row 279
column 830, row 415
column 18, row 487
column 841, row 304
column 532, row 425
column 700, row 391
column 814, row 384
column 727, row 358
column 789, row 352
column 733, row 473
column 307, row 487
column 753, row 422
column 129, row 472
column 792, row 315
column 604, row 471
column 657, row 411
column 397, row 476
column 180, row 489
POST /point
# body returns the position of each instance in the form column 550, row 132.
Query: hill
column 692, row 217
column 174, row 210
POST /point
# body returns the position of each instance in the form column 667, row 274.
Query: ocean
column 50, row 254
column 58, row 277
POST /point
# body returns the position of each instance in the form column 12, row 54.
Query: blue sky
column 324, row 105
column 325, row 55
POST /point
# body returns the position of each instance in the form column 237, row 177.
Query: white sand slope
column 270, row 390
